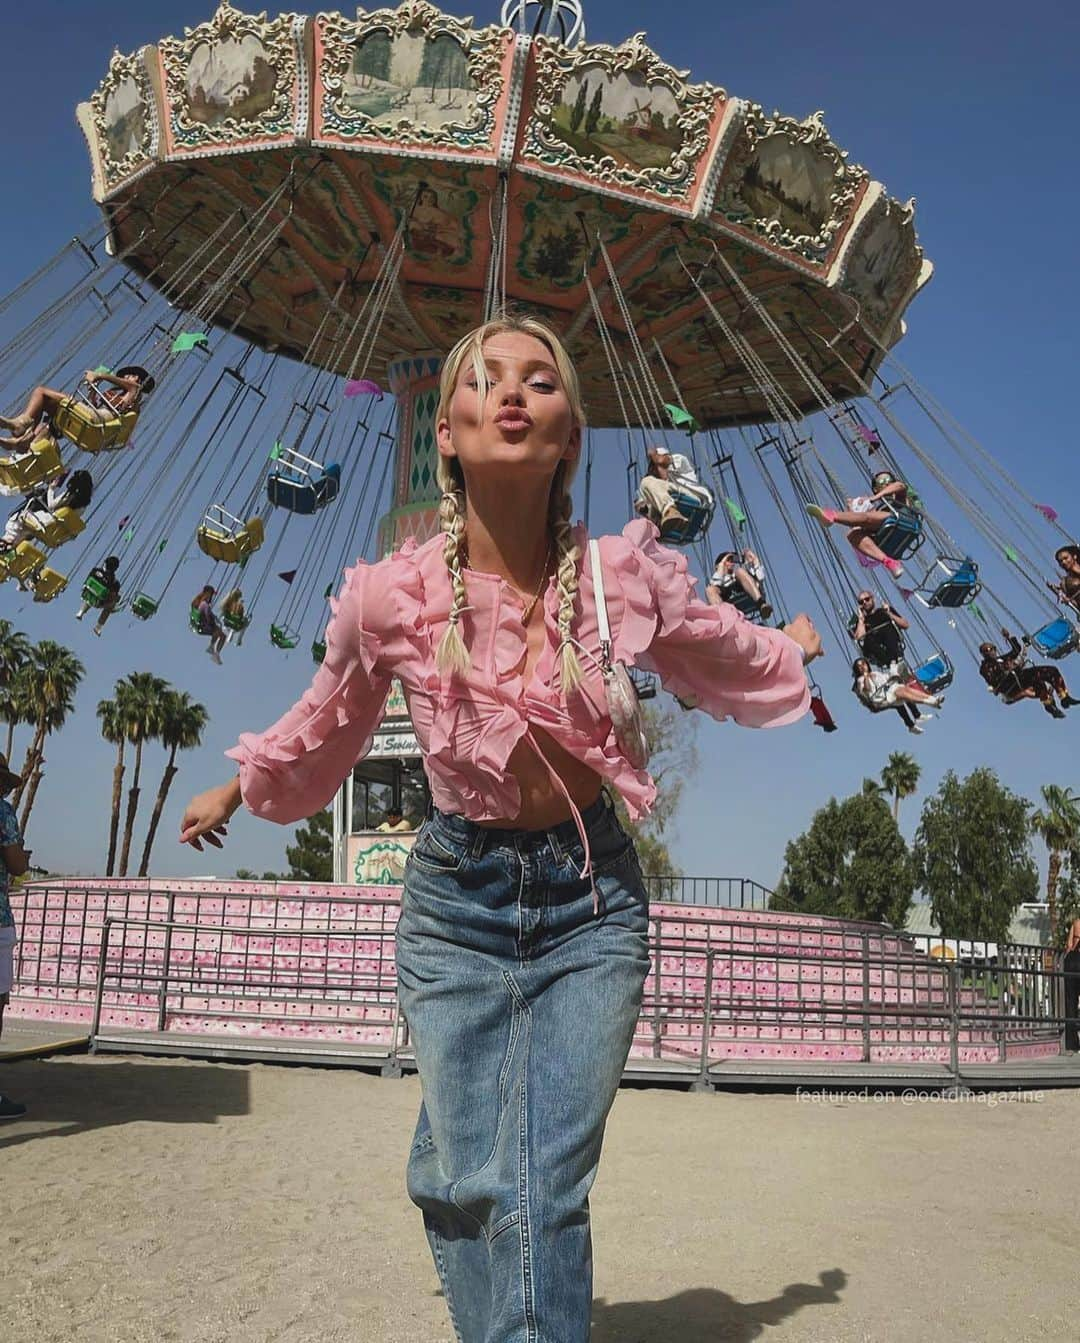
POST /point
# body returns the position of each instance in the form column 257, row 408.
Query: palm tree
column 140, row 706
column 14, row 654
column 900, row 777
column 1058, row 826
column 110, row 714
column 181, row 728
column 15, row 707
column 49, row 680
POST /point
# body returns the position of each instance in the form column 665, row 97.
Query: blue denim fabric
column 521, row 1004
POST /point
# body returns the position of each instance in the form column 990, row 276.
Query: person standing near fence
column 14, row 861
column 1071, row 966
column 522, row 946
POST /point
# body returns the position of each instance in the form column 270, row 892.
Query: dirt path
column 152, row 1201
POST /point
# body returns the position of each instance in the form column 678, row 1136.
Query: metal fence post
column 703, row 1082
column 866, row 996
column 166, row 953
column 99, row 988
column 392, row 1065
column 657, row 1051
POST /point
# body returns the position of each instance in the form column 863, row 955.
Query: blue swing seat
column 900, row 535
column 935, row 674
column 301, row 485
column 698, row 511
column 644, row 682
column 957, row 585
column 1057, row 639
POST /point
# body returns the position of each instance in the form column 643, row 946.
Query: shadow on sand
column 64, row 1098
column 705, row 1315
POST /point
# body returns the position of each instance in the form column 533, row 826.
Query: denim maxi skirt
column 521, row 1004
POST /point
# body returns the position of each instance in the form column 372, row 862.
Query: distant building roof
column 1030, row 923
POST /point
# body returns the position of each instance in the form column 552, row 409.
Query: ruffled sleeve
column 710, row 656
column 295, row 767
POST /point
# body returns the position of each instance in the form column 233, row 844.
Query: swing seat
column 48, row 584
column 78, row 423
column 280, row 637
column 318, row 652
column 645, row 683
column 697, row 509
column 53, row 529
column 1056, row 640
column 22, row 562
column 935, row 674
column 143, row 607
column 959, row 585
column 744, row 603
column 301, row 485
column 238, row 624
column 27, row 470
column 196, row 625
column 224, row 537
column 95, row 593
column 900, row 535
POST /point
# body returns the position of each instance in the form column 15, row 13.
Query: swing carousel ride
column 300, row 215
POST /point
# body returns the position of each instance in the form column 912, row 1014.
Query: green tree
column 110, row 715
column 592, row 120
column 140, row 704
column 311, row 858
column 852, row 863
column 673, row 761
column 246, row 874
column 577, row 112
column 1068, row 903
column 15, row 706
column 14, row 654
column 49, row 680
column 1057, row 824
column 181, row 725
column 973, row 856
column 900, row 778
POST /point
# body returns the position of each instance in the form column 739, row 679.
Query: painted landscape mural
column 410, row 76
column 620, row 117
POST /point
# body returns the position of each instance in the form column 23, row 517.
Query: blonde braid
column 568, row 557
column 452, row 655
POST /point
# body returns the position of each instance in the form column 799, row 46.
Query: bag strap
column 602, row 624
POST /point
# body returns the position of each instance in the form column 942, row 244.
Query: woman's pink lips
column 513, row 423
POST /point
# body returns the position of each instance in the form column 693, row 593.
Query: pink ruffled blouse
column 388, row 621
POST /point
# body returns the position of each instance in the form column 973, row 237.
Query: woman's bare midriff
column 542, row 803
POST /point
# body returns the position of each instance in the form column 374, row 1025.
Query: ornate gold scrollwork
column 483, row 56
column 788, row 182
column 261, row 60
column 124, row 118
column 624, row 71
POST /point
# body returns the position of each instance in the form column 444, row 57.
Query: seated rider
column 1068, row 560
column 863, row 518
column 124, row 393
column 1012, row 681
column 878, row 631
column 232, row 609
column 666, row 473
column 106, row 575
column 879, row 689
column 202, row 613
column 732, row 575
column 73, row 489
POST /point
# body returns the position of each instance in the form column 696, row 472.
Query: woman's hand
column 208, row 815
column 802, row 631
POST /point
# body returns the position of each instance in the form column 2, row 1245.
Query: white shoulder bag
column 624, row 707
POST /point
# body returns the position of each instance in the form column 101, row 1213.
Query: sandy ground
column 151, row 1201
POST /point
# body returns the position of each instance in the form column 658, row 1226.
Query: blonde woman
column 522, row 945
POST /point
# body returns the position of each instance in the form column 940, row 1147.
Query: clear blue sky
column 970, row 107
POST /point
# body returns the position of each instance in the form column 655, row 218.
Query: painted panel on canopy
column 121, row 119
column 446, row 204
column 786, row 182
column 619, row 119
column 546, row 238
column 232, row 81
column 410, row 78
column 883, row 263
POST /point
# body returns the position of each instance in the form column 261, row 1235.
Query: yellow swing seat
column 53, row 529
column 225, row 538
column 77, row 422
column 20, row 562
column 37, row 466
column 48, row 584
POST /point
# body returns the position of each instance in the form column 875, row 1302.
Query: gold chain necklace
column 526, row 614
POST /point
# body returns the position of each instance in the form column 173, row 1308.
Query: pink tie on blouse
column 389, row 618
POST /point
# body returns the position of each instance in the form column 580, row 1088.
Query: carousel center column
column 414, row 511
